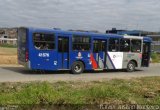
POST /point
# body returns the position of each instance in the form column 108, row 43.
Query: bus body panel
column 136, row 57
column 82, row 56
column 41, row 59
column 100, row 60
column 62, row 61
column 109, row 63
column 115, row 60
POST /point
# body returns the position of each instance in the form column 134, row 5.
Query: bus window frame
column 124, row 45
column 141, row 46
column 105, row 41
column 82, row 36
column 115, row 45
column 54, row 35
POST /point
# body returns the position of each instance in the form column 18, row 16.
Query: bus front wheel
column 131, row 66
column 77, row 67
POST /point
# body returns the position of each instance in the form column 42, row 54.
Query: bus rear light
column 27, row 56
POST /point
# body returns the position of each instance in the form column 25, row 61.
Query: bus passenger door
column 99, row 52
column 63, row 52
column 146, row 54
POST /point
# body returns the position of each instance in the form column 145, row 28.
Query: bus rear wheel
column 77, row 67
column 131, row 66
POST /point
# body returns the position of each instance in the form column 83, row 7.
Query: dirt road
column 20, row 74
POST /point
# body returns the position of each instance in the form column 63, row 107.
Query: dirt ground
column 8, row 55
column 8, row 59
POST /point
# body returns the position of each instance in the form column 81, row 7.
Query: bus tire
column 131, row 66
column 77, row 67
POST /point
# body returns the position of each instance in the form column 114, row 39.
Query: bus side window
column 95, row 46
column 44, row 41
column 125, row 45
column 136, row 45
column 99, row 45
column 81, row 43
column 113, row 44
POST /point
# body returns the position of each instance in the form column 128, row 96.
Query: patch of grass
column 136, row 91
column 155, row 57
column 8, row 46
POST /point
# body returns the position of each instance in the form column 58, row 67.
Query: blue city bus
column 52, row 49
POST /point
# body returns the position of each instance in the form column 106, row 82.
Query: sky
column 82, row 14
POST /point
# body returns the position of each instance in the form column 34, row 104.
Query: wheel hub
column 77, row 68
column 130, row 66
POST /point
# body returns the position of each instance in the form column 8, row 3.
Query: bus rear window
column 22, row 40
column 22, row 36
column 43, row 41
